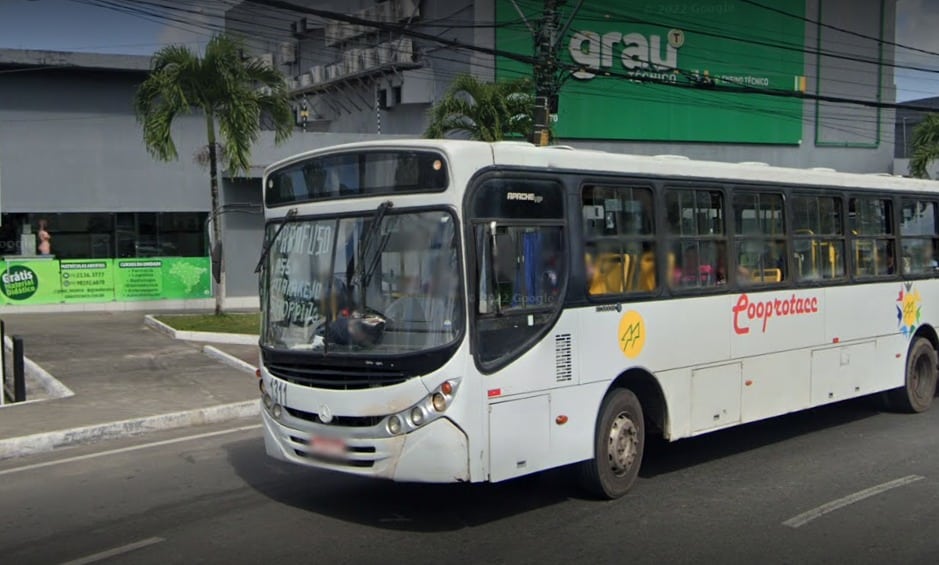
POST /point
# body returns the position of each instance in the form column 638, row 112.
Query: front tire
column 920, row 384
column 619, row 443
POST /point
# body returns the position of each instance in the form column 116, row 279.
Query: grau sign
column 648, row 70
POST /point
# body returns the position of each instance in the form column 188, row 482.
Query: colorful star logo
column 909, row 310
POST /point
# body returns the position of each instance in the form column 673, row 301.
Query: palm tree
column 925, row 146
column 484, row 111
column 231, row 92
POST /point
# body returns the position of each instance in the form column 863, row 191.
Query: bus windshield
column 383, row 283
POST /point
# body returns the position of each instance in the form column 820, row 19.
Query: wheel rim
column 623, row 445
column 921, row 378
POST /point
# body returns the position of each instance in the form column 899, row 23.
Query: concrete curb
column 228, row 359
column 48, row 441
column 194, row 304
column 211, row 337
column 53, row 387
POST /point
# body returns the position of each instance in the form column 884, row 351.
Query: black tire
column 622, row 427
column 920, row 384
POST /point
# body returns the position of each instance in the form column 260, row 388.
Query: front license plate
column 331, row 446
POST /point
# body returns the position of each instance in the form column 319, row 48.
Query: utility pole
column 547, row 76
column 546, row 71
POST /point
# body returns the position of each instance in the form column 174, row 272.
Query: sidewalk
column 119, row 369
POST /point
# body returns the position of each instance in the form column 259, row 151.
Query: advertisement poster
column 86, row 281
column 30, row 282
column 139, row 279
column 74, row 281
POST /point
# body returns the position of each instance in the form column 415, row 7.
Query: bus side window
column 874, row 237
column 918, row 237
column 619, row 235
column 760, row 236
column 697, row 248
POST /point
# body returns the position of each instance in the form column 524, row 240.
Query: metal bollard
column 19, row 371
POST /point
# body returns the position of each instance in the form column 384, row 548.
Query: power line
column 784, row 46
column 697, row 100
column 685, row 98
column 280, row 36
column 872, row 67
column 840, row 29
column 735, row 89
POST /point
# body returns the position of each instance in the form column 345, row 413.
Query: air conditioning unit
column 288, row 53
column 293, row 84
column 332, row 33
column 385, row 12
column 265, row 91
column 333, row 71
column 369, row 58
column 345, row 31
column 306, row 79
column 352, row 60
column 317, row 73
column 404, row 52
column 406, row 9
column 386, row 52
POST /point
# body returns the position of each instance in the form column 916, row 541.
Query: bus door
column 520, row 346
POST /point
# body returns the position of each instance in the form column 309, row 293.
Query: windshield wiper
column 266, row 250
column 360, row 273
column 376, row 257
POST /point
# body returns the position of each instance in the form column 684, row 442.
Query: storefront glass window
column 106, row 235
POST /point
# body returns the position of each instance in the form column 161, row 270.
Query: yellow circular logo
column 632, row 334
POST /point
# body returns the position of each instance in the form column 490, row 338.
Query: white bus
column 444, row 311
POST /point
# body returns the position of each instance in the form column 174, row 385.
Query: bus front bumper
column 435, row 453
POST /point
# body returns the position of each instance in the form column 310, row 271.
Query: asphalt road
column 840, row 484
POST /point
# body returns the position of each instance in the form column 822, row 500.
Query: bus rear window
column 362, row 173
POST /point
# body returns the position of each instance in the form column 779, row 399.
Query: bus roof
column 560, row 157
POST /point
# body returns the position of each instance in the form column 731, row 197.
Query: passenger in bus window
column 929, row 261
column 646, row 280
column 720, row 273
column 890, row 263
column 692, row 272
column 684, row 273
column 590, row 269
column 743, row 274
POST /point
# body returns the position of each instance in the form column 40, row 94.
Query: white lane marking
column 820, row 511
column 126, row 449
column 114, row 552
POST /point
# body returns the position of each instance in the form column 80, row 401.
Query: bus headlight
column 427, row 410
column 394, row 425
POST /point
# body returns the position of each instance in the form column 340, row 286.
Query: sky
column 918, row 26
column 70, row 25
column 74, row 25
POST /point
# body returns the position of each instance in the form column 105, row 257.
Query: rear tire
column 619, row 442
column 920, row 383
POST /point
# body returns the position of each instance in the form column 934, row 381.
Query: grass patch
column 243, row 323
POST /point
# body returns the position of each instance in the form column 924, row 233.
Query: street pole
column 546, row 71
